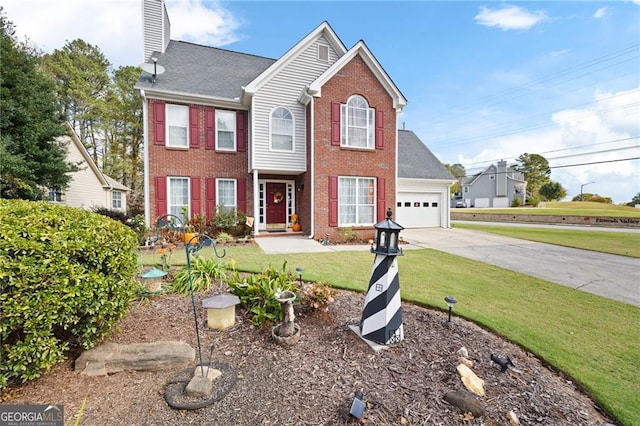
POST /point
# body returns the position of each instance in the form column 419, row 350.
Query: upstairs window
column 323, row 53
column 177, row 125
column 226, row 130
column 281, row 130
column 357, row 124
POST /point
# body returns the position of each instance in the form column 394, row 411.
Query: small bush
column 517, row 202
column 66, row 276
column 317, row 295
column 257, row 293
column 203, row 272
column 533, row 200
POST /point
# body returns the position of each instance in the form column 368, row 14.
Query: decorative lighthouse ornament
column 382, row 313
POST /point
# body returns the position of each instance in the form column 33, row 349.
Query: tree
column 552, row 191
column 458, row 171
column 635, row 200
column 30, row 121
column 535, row 169
column 81, row 73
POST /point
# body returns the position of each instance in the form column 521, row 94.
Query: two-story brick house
column 313, row 133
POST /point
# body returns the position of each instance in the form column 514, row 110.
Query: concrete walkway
column 607, row 275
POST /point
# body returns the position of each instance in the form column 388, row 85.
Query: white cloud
column 509, row 18
column 558, row 53
column 601, row 12
column 210, row 25
column 589, row 141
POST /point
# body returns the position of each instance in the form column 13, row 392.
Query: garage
column 418, row 209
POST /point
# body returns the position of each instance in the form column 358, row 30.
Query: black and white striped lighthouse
column 382, row 313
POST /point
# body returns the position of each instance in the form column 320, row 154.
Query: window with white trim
column 356, row 201
column 178, row 197
column 226, row 195
column 281, row 130
column 177, row 126
column 116, row 199
column 323, row 52
column 226, row 130
column 56, row 195
column 357, row 123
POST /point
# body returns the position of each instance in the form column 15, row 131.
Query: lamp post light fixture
column 582, row 186
column 450, row 302
column 299, row 270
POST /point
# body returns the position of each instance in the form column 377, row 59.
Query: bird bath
column 286, row 333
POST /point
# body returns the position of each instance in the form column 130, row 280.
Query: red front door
column 277, row 204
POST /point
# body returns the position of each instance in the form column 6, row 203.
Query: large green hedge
column 66, row 277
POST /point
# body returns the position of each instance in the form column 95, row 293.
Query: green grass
column 621, row 243
column 595, row 341
column 565, row 208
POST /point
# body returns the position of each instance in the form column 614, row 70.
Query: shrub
column 318, row 295
column 533, row 200
column 66, row 276
column 257, row 293
column 517, row 202
column 203, row 272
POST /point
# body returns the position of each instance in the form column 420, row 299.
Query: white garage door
column 418, row 209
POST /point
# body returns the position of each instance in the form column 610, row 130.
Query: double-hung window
column 356, row 201
column 116, row 200
column 226, row 198
column 56, row 195
column 281, row 130
column 357, row 124
column 226, row 130
column 178, row 197
column 177, row 125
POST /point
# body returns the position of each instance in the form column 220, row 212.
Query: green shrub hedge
column 66, row 277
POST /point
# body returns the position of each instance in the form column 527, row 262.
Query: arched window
column 358, row 121
column 281, row 130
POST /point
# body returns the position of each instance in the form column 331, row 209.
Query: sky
column 485, row 80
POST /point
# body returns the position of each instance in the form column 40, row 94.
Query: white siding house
column 88, row 187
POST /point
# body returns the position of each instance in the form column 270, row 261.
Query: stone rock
column 199, row 386
column 463, row 352
column 465, row 361
column 113, row 358
column 209, row 373
column 513, row 419
column 470, row 380
column 466, row 402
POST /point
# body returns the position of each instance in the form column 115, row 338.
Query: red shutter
column 195, row 196
column 161, row 196
column 382, row 208
column 210, row 189
column 242, row 195
column 158, row 123
column 210, row 128
column 241, row 130
column 335, row 124
column 194, row 127
column 379, row 129
column 333, row 200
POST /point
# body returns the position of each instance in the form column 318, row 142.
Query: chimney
column 501, row 179
column 156, row 31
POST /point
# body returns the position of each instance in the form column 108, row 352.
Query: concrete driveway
column 612, row 276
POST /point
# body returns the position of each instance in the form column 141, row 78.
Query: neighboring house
column 496, row 186
column 313, row 133
column 88, row 187
column 423, row 185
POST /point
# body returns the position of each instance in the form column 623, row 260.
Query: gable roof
column 510, row 175
column 416, row 161
column 106, row 181
column 323, row 29
column 202, row 71
column 363, row 51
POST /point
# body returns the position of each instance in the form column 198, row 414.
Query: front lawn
column 596, row 341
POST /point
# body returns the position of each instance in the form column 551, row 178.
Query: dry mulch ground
column 313, row 382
